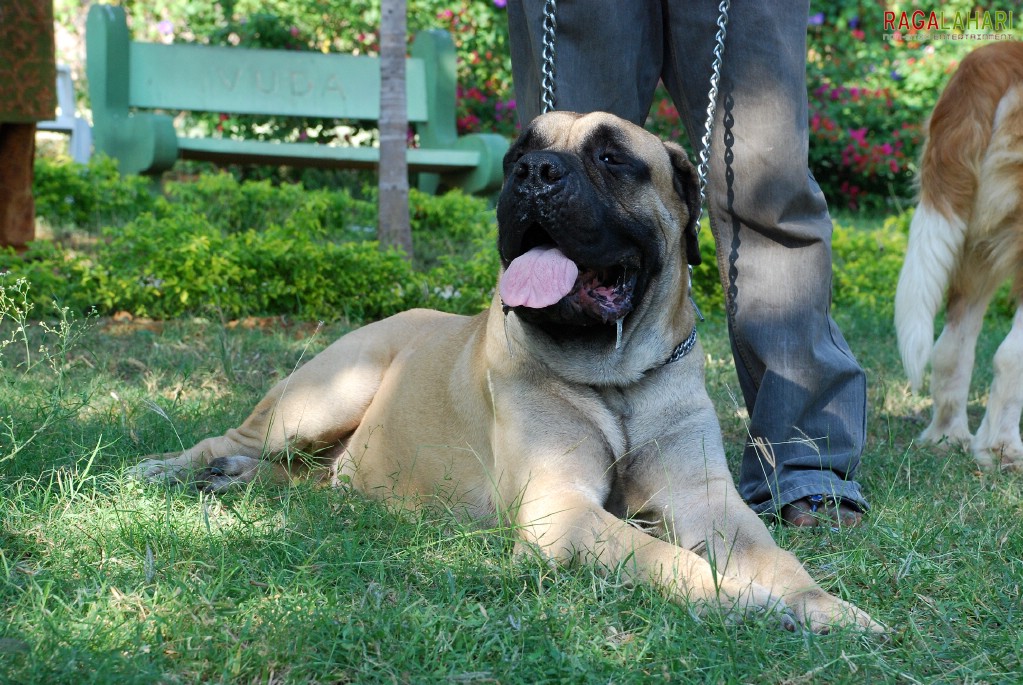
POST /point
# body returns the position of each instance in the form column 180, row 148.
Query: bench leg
column 81, row 141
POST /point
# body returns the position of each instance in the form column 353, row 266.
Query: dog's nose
column 539, row 170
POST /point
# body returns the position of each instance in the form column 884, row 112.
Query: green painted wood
column 128, row 79
column 302, row 154
column 138, row 141
column 273, row 82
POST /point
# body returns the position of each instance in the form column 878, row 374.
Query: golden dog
column 966, row 239
column 574, row 408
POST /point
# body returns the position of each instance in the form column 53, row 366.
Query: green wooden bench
column 135, row 87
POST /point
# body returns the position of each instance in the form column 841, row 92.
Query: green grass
column 104, row 579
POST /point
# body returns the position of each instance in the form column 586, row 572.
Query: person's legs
column 607, row 56
column 805, row 392
column 17, row 207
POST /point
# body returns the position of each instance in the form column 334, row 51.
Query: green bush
column 464, row 284
column 71, row 194
column 182, row 264
column 236, row 206
column 252, row 248
column 707, row 291
column 870, row 93
column 54, row 273
column 867, row 265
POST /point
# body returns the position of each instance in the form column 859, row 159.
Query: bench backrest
column 271, row 82
column 125, row 75
column 135, row 88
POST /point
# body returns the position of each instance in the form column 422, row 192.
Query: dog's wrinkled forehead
column 569, row 131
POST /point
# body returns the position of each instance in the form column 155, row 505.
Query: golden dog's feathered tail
column 959, row 134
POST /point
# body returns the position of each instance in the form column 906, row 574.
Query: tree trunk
column 393, row 228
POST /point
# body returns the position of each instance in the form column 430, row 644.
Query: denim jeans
column 803, row 389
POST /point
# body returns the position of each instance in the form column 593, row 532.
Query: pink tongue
column 538, row 278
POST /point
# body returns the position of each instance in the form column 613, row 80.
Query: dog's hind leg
column 309, row 413
column 954, row 352
column 998, row 440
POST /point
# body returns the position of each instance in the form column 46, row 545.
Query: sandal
column 821, row 510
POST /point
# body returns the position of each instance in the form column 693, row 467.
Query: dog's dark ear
column 687, row 185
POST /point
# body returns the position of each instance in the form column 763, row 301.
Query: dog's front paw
column 159, row 471
column 820, row 612
column 224, row 472
column 747, row 601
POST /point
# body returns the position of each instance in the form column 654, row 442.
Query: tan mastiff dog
column 574, row 408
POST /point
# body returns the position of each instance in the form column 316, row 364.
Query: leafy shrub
column 464, row 284
column 250, row 248
column 70, row 194
column 254, row 248
column 54, row 273
column 448, row 224
column 236, row 206
column 870, row 92
column 867, row 265
column 180, row 263
column 452, row 225
column 706, row 282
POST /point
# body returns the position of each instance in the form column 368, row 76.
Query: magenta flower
column 859, row 135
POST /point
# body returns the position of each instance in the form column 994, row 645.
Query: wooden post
column 393, row 227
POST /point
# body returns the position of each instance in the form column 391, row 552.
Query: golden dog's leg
column 998, row 440
column 310, row 411
column 741, row 544
column 738, row 542
column 571, row 525
column 701, row 510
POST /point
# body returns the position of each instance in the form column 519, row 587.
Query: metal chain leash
column 712, row 103
column 708, row 127
column 550, row 25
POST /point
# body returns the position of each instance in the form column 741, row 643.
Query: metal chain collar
column 684, row 348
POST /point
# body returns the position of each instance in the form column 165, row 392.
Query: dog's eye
column 612, row 158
